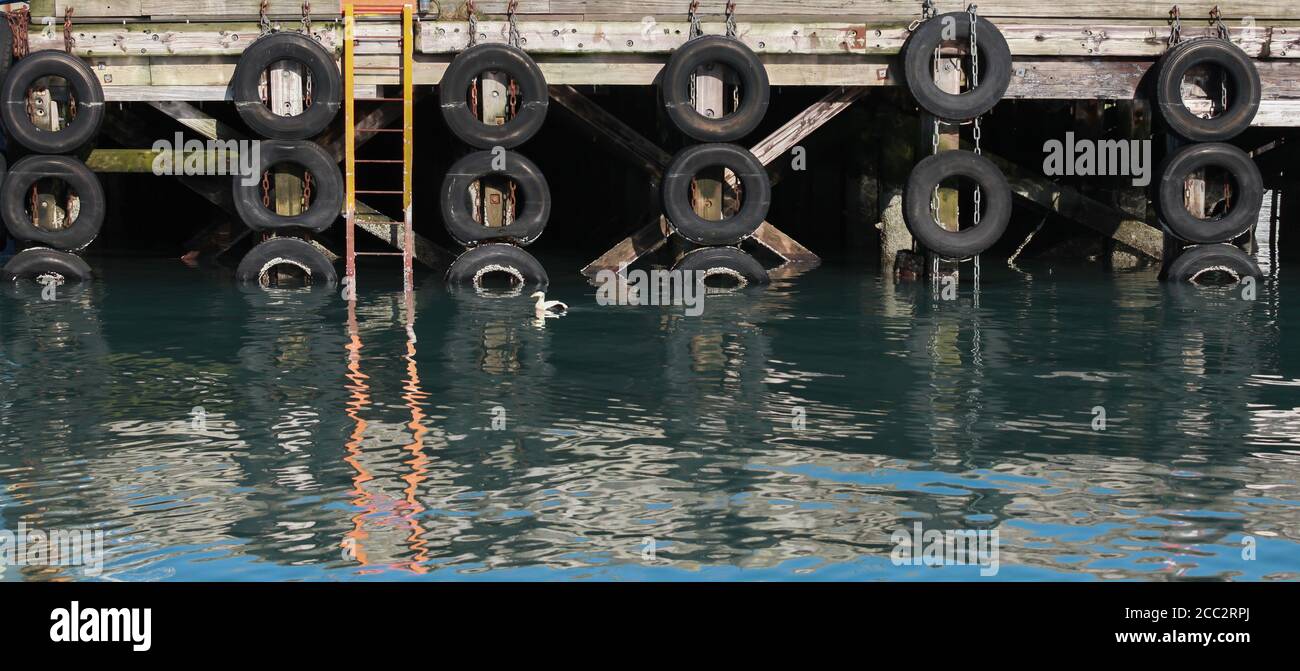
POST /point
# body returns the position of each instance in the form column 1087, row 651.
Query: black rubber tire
column 713, row 260
column 756, row 196
column 995, row 68
column 534, row 96
column 675, row 88
column 1248, row 198
column 1245, row 88
column 18, row 183
column 319, row 269
column 85, row 87
column 995, row 197
column 327, row 86
column 36, row 261
column 1193, row 261
column 467, row 269
column 457, row 207
column 327, row 188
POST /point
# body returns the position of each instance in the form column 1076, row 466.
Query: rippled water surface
column 783, row 434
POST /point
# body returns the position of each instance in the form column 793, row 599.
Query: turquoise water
column 785, row 434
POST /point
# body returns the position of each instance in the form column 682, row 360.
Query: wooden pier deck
column 178, row 50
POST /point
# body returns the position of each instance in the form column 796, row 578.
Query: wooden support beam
column 1069, row 203
column 653, row 159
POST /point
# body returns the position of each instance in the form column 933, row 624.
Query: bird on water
column 545, row 308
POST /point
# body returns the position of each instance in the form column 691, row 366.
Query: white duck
column 544, row 308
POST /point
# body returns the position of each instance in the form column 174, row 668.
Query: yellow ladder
column 350, row 13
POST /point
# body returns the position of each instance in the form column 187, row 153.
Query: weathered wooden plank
column 197, row 120
column 878, row 37
column 618, row 135
column 864, row 8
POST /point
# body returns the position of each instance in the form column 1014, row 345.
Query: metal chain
column 515, row 39
column 511, row 201
column 307, row 84
column 1175, row 27
column 264, row 21
column 472, row 13
column 68, row 40
column 731, row 18
column 696, row 30
column 306, row 191
column 1220, row 28
column 266, row 188
column 36, row 217
column 306, row 17
column 473, row 95
column 514, row 98
column 18, row 20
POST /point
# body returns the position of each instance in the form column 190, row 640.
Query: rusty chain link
column 18, row 20
column 1175, row 27
column 306, row 18
column 731, row 18
column 306, row 191
column 266, row 188
column 68, row 40
column 264, row 21
column 471, row 13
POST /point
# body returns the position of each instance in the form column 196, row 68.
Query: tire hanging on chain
column 323, row 197
column 991, row 50
column 1240, row 89
column 458, row 207
column 676, row 89
column 1241, row 202
column 85, row 113
column 918, row 208
column 528, row 92
column 755, row 194
column 18, row 194
column 325, row 81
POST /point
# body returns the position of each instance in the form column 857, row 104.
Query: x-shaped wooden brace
column 651, row 158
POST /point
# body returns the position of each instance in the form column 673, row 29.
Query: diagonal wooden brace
column 653, row 159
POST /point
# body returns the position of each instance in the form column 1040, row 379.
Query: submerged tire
column 994, row 61
column 1244, row 87
column 458, row 209
column 469, row 268
column 327, row 188
column 32, row 263
column 711, row 261
column 253, row 269
column 14, row 198
column 1248, row 197
column 1194, row 262
column 756, row 195
column 755, row 91
column 995, row 196
column 84, row 86
column 464, row 122
column 327, row 86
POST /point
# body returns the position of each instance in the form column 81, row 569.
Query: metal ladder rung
column 380, row 254
column 380, row 100
column 378, row 160
column 365, row 192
